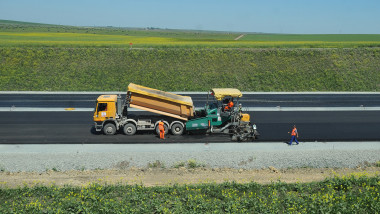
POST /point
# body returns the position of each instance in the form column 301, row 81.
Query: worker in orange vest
column 294, row 133
column 229, row 106
column 162, row 129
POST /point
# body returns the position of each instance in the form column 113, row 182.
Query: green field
column 21, row 34
column 65, row 58
column 354, row 194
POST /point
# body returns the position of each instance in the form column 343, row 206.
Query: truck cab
column 106, row 109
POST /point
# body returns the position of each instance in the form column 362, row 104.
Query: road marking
column 19, row 109
column 253, row 109
column 311, row 109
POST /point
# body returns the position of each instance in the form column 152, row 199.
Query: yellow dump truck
column 112, row 113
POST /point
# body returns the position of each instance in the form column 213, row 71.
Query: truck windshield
column 102, row 106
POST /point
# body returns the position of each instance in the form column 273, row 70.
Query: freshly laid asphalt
column 76, row 127
column 318, row 116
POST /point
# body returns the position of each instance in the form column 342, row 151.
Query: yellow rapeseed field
column 100, row 40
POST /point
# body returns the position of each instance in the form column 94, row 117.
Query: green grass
column 354, row 194
column 182, row 40
column 112, row 69
column 156, row 164
column 20, row 27
column 21, row 34
column 65, row 58
column 191, row 164
column 313, row 37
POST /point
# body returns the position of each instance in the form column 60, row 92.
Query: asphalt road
column 51, row 100
column 75, row 127
column 31, row 127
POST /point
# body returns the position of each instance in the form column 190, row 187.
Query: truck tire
column 109, row 129
column 177, row 129
column 129, row 129
column 166, row 129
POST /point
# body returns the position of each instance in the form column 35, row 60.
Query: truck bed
column 160, row 102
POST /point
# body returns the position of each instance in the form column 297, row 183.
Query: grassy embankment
column 50, row 57
column 353, row 194
column 111, row 69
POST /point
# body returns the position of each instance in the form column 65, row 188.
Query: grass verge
column 112, row 69
column 356, row 193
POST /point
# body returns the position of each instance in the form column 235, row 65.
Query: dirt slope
column 152, row 177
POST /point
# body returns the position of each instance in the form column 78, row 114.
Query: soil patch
column 154, row 177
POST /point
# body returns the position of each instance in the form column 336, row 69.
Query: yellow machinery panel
column 245, row 117
column 220, row 93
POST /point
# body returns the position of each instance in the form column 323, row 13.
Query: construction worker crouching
column 161, row 127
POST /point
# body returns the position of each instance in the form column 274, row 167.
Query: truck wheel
column 165, row 127
column 177, row 129
column 109, row 129
column 129, row 129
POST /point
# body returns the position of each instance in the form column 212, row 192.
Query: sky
column 265, row 16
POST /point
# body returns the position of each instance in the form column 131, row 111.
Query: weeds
column 179, row 164
column 191, row 164
column 245, row 162
column 377, row 164
column 194, row 164
column 156, row 164
column 347, row 194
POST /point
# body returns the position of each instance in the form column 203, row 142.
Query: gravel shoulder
column 64, row 157
column 159, row 164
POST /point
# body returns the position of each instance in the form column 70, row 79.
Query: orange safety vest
column 229, row 106
column 294, row 132
column 161, row 126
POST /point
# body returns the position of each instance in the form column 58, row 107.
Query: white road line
column 36, row 109
column 312, row 109
column 20, row 109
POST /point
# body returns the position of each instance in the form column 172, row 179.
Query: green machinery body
column 213, row 118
